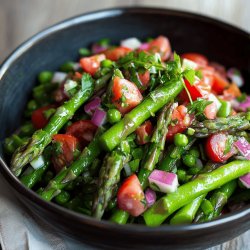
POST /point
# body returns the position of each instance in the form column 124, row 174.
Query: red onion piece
column 59, row 77
column 99, row 117
column 243, row 106
column 163, row 181
column 245, row 180
column 91, row 106
column 235, row 76
column 150, row 196
column 144, row 46
column 244, row 147
column 96, row 48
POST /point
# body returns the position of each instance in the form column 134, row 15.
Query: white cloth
column 20, row 230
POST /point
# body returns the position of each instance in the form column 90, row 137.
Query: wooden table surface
column 19, row 19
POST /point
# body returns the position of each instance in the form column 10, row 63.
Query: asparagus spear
column 157, row 144
column 238, row 122
column 93, row 150
column 151, row 104
column 109, row 177
column 169, row 162
column 62, row 179
column 30, row 179
column 218, row 201
column 156, row 147
column 204, row 183
column 41, row 138
column 187, row 213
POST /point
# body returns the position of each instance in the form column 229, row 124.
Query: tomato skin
column 115, row 54
column 144, row 78
column 130, row 196
column 183, row 120
column 68, row 146
column 201, row 87
column 92, row 63
column 83, row 130
column 215, row 146
column 160, row 45
column 200, row 59
column 220, row 83
column 38, row 119
column 128, row 90
column 144, row 132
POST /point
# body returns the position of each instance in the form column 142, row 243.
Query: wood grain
column 20, row 19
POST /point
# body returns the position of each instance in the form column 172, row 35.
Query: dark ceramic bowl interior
column 50, row 48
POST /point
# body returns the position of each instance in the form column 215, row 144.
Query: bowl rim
column 84, row 219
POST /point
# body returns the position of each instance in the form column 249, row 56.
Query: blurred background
column 20, row 19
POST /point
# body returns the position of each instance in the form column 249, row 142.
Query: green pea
column 182, row 175
column 134, row 165
column 62, row 198
column 189, row 160
column 84, row 52
column 225, row 109
column 180, row 140
column 45, row 77
column 112, row 204
column 106, row 63
column 113, row 116
column 67, row 67
column 32, row 105
column 190, row 131
column 104, row 42
column 195, row 152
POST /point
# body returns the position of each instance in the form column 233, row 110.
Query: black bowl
column 48, row 49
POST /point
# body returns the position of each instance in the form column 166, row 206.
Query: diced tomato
column 181, row 120
column 145, row 78
column 199, row 88
column 92, row 64
column 197, row 58
column 160, row 45
column 115, row 54
column 39, row 120
column 144, row 132
column 126, row 95
column 220, row 83
column 130, row 196
column 231, row 92
column 64, row 155
column 77, row 76
column 83, row 130
column 215, row 147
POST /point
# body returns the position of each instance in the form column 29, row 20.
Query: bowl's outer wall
column 219, row 42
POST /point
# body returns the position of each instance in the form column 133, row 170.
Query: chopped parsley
column 198, row 106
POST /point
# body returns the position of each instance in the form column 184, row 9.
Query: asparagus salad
column 137, row 134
